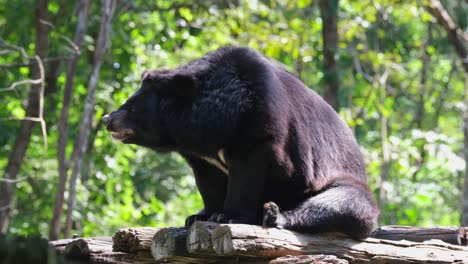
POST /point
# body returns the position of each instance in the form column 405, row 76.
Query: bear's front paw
column 224, row 218
column 219, row 217
column 272, row 216
column 196, row 217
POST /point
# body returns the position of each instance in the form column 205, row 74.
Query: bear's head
column 143, row 119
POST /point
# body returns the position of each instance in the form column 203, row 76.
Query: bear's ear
column 179, row 85
column 143, row 74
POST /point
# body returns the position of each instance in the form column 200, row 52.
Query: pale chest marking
column 220, row 164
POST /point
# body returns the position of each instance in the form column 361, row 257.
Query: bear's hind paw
column 272, row 216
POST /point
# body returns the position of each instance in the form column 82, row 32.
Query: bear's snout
column 106, row 120
column 116, row 123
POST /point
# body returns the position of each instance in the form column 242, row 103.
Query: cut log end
column 169, row 242
column 132, row 240
column 199, row 238
column 222, row 240
column 77, row 249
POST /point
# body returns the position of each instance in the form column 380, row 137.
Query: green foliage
column 380, row 54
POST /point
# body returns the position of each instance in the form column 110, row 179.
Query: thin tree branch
column 13, row 86
column 29, row 64
column 7, row 180
column 21, row 50
column 456, row 36
column 27, row 118
column 6, row 207
column 39, row 81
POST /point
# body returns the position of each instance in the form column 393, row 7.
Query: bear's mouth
column 123, row 134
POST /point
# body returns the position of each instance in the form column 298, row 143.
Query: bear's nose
column 106, row 120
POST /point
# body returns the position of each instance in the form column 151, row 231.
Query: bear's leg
column 246, row 181
column 212, row 185
column 345, row 206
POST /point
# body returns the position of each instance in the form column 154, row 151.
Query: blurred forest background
column 395, row 70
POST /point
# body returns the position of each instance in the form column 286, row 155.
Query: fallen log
column 207, row 242
column 451, row 235
column 255, row 241
column 132, row 240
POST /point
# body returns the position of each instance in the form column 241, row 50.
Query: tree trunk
column 81, row 140
column 329, row 14
column 386, row 157
column 32, row 110
column 421, row 112
column 63, row 122
column 465, row 152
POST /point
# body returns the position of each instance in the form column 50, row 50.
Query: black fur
column 291, row 161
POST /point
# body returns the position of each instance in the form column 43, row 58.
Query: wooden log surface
column 249, row 240
column 451, row 235
column 206, row 242
column 132, row 240
column 308, row 259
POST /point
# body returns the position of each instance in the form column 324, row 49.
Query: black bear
column 264, row 148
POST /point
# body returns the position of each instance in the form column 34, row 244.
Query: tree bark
column 33, row 109
column 329, row 14
column 456, row 36
column 63, row 121
column 81, row 140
